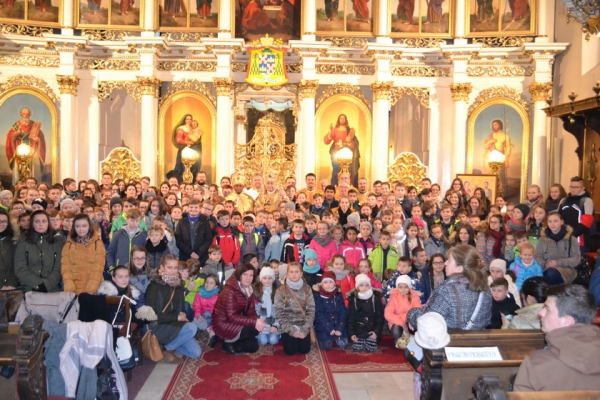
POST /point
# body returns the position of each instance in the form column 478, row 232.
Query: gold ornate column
column 305, row 137
column 67, row 85
column 381, row 124
column 148, row 87
column 460, row 95
column 540, row 93
column 225, row 121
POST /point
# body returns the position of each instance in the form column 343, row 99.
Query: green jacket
column 121, row 221
column 376, row 258
column 39, row 263
column 191, row 295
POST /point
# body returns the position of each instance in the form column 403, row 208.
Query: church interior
column 502, row 93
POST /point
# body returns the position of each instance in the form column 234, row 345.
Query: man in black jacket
column 193, row 234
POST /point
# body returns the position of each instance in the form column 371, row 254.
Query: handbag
column 123, row 347
column 150, row 346
column 584, row 272
column 313, row 334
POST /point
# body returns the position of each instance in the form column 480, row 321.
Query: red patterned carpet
column 267, row 375
column 385, row 359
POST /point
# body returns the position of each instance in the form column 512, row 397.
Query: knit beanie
column 500, row 264
column 116, row 200
column 67, row 201
column 366, row 224
column 282, row 270
column 309, row 253
column 432, row 332
column 266, row 271
column 404, row 279
column 4, row 193
column 328, row 275
column 524, row 208
column 290, row 205
column 362, row 278
column 40, row 202
column 353, row 219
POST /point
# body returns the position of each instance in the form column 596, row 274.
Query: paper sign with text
column 469, row 354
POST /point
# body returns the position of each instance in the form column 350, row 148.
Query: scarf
column 323, row 242
column 83, row 239
column 266, row 300
column 311, row 270
column 498, row 236
column 294, row 285
column 438, row 242
column 557, row 237
column 171, row 280
column 365, row 295
column 247, row 290
column 327, row 294
column 193, row 219
column 339, row 275
column 159, row 248
column 207, row 294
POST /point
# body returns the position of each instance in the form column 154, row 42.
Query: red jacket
column 324, row 253
column 233, row 310
column 290, row 249
column 346, row 285
column 229, row 244
column 353, row 253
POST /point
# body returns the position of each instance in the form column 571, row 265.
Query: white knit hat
column 404, row 279
column 266, row 271
column 282, row 270
column 362, row 278
column 498, row 263
column 432, row 332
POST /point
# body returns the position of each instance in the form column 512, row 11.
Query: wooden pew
column 455, row 379
column 488, row 387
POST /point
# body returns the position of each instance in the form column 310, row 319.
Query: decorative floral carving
column 401, row 70
column 112, row 64
column 500, row 70
column 345, row 69
column 308, row 89
column 30, row 61
column 239, row 67
column 31, row 81
column 99, row 34
column 67, row 84
column 422, row 94
column 344, row 41
column 204, row 66
column 540, row 91
column 293, row 68
column 25, row 30
column 148, row 85
column 187, row 84
column 421, row 42
column 105, row 88
column 499, row 91
column 224, row 86
column 343, row 88
column 502, row 41
column 122, row 164
column 461, row 91
column 382, row 90
column 408, row 169
column 186, row 36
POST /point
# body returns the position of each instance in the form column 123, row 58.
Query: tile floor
column 351, row 386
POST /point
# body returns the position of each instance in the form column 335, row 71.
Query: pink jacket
column 375, row 284
column 398, row 306
column 353, row 253
column 324, row 253
column 202, row 304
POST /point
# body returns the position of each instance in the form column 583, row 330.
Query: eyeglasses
column 575, row 187
column 139, row 259
column 18, row 209
column 438, row 263
column 207, row 209
column 4, row 222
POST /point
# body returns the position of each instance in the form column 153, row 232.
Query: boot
column 170, row 357
column 213, row 341
column 230, row 348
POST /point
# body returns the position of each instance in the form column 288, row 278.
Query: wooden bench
column 25, row 351
column 455, row 379
column 488, row 387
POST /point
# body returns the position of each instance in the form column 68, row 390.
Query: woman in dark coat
column 8, row 279
column 172, row 328
column 234, row 318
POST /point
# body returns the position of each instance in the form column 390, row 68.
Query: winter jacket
column 168, row 219
column 108, row 288
column 376, row 258
column 398, row 306
column 121, row 221
column 565, row 252
column 82, row 264
column 229, row 243
column 353, row 253
column 512, row 288
column 345, row 284
column 365, row 316
column 526, row 318
column 485, row 247
column 156, row 253
column 330, row 315
column 190, row 295
column 417, row 282
column 523, row 273
column 262, row 312
column 505, row 307
column 368, row 244
column 233, row 311
column 325, row 248
column 7, row 262
column 166, row 327
column 569, row 362
column 252, row 243
column 291, row 251
column 119, row 249
column 274, row 248
column 202, row 304
column 287, row 310
column 202, row 238
column 431, row 248
column 39, row 263
column 444, row 301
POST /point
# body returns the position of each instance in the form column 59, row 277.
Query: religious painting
column 430, row 18
column 489, row 184
column 501, row 17
column 201, row 15
column 28, row 117
column 109, row 13
column 186, row 119
column 279, row 19
column 499, row 129
column 36, row 12
column 345, row 16
column 343, row 121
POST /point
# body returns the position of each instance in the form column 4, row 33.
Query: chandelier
column 587, row 13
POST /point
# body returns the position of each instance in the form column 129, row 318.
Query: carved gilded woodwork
column 187, row 84
column 540, row 91
column 587, row 13
column 382, row 90
column 24, row 30
column 29, row 358
column 67, row 84
column 421, row 94
column 499, row 91
column 343, row 88
column 293, row 68
column 502, row 41
column 115, row 64
column 345, row 69
column 592, row 173
column 421, row 42
column 266, row 153
column 107, row 34
column 30, row 81
column 224, row 86
column 196, row 66
column 402, row 70
column 105, row 88
column 26, row 60
column 407, row 168
column 122, row 164
column 461, row 91
column 239, row 67
column 186, row 36
column 148, row 85
column 499, row 70
column 356, row 42
column 308, row 89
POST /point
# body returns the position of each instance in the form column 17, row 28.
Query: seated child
column 343, row 275
column 188, row 271
column 497, row 271
column 525, row 265
column 364, row 267
column 502, row 304
column 402, row 299
column 330, row 313
column 264, row 293
column 139, row 271
column 157, row 246
column 215, row 265
column 404, row 267
column 312, row 269
column 204, row 303
column 365, row 316
column 509, row 247
column 119, row 285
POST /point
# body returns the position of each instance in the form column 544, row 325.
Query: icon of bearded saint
column 29, row 132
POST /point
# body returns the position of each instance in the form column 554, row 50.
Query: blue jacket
column 523, row 273
column 330, row 314
column 120, row 246
column 274, row 248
